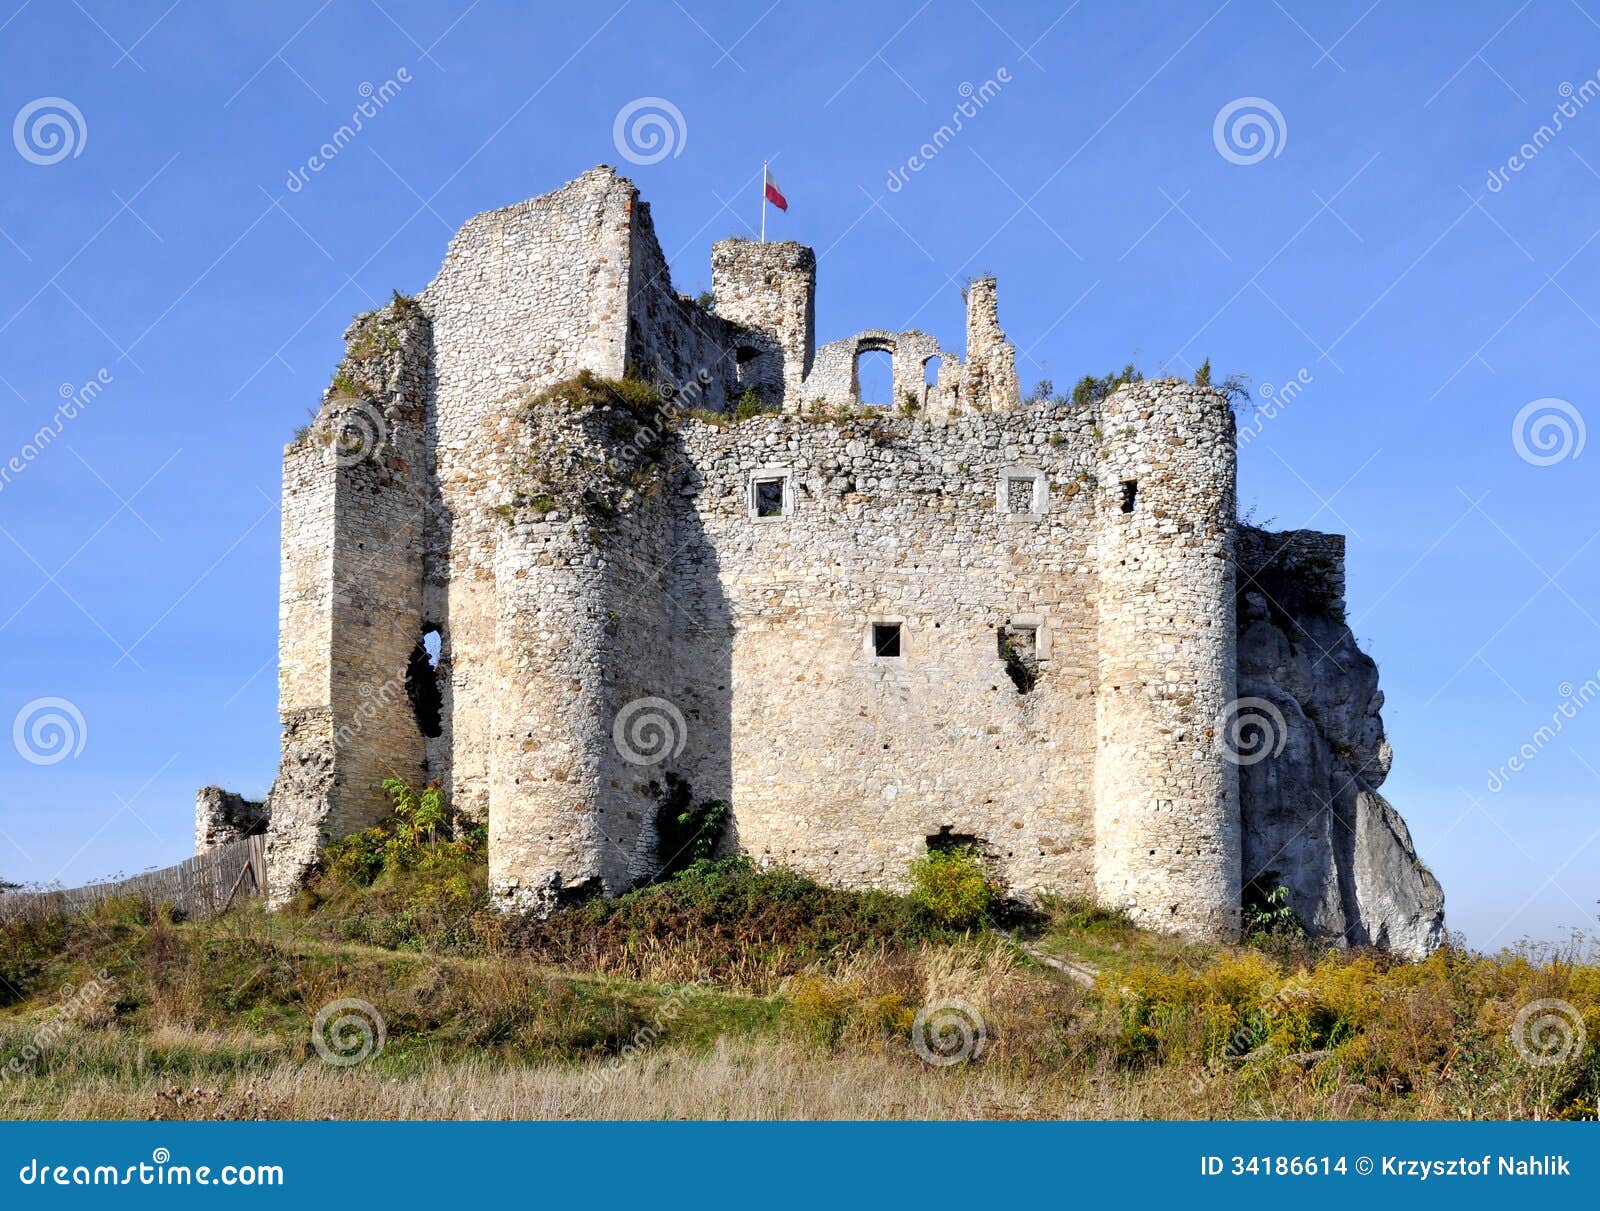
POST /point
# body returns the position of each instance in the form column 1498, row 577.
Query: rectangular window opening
column 886, row 640
column 1019, row 495
column 769, row 497
column 1019, row 649
column 1130, row 493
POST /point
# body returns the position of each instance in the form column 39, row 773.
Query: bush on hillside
column 951, row 888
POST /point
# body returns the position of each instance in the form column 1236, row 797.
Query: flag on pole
column 774, row 194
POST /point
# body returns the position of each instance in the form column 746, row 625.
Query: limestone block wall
column 580, row 561
column 222, row 816
column 771, row 288
column 527, row 296
column 355, row 520
column 842, row 762
column 1166, row 795
column 698, row 358
column 583, row 630
column 834, row 381
column 990, row 381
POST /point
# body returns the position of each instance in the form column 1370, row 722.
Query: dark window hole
column 1019, row 648
column 886, row 639
column 769, row 498
column 422, row 682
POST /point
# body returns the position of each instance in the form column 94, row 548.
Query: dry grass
column 734, row 1079
column 741, row 994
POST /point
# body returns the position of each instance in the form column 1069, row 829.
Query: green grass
column 1083, row 932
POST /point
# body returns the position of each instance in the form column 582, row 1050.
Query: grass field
column 390, row 991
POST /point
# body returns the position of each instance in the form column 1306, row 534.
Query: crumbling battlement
column 221, row 816
column 596, row 533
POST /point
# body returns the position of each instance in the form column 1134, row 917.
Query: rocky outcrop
column 1312, row 754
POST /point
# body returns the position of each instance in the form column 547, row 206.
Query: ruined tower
column 771, row 289
column 356, row 517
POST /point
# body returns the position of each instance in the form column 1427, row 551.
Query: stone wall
column 772, row 289
column 527, row 296
column 222, row 817
column 693, row 354
column 842, row 762
column 990, row 381
column 356, row 512
column 834, row 381
column 584, row 630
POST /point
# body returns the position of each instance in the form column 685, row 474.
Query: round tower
column 1166, row 792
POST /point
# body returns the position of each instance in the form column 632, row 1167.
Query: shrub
column 1268, row 914
column 749, row 405
column 588, row 390
column 951, row 888
column 729, row 921
column 1091, row 390
column 686, row 832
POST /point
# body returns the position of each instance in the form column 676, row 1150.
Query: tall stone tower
column 1166, row 795
column 771, row 288
column 356, row 517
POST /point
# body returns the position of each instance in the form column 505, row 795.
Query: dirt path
column 1079, row 972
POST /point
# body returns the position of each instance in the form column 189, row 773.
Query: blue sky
column 167, row 259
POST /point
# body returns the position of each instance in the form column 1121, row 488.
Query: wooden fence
column 199, row 887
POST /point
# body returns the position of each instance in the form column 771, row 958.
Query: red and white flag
column 774, row 194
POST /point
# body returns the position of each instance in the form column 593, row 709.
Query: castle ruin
column 1030, row 626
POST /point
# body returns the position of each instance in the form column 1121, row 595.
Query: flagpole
column 763, row 201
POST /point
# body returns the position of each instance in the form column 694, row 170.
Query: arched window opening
column 930, row 371
column 874, row 375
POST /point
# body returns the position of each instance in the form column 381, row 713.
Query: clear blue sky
column 138, row 557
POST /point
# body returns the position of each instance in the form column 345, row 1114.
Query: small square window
column 1130, row 494
column 1019, row 495
column 1022, row 492
column 886, row 640
column 769, row 497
